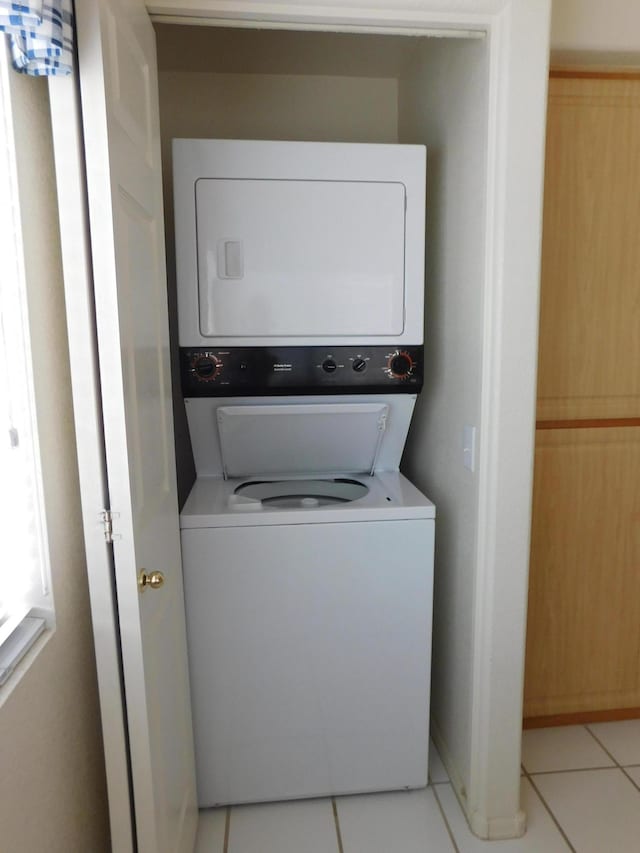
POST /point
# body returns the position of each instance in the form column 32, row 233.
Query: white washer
column 308, row 598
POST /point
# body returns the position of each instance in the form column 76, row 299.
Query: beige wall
column 52, row 788
column 207, row 105
column 602, row 26
column 278, row 106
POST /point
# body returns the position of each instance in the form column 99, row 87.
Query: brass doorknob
column 153, row 580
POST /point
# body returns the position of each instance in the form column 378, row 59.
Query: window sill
column 21, row 665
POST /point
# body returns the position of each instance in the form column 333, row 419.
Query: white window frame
column 26, row 600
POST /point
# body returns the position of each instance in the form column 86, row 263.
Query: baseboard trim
column 455, row 778
column 577, row 718
column 488, row 829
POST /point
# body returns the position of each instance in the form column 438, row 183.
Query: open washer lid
column 301, row 438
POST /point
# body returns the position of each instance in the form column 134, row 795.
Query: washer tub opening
column 303, row 493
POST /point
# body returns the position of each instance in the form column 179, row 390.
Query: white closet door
column 117, row 64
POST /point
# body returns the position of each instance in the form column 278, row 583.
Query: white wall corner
column 519, row 72
column 596, row 27
column 498, row 828
column 489, row 829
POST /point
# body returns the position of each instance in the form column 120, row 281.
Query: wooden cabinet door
column 589, row 351
column 583, row 639
column 583, row 635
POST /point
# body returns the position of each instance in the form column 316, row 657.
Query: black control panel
column 245, row 371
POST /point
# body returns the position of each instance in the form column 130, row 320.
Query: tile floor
column 580, row 789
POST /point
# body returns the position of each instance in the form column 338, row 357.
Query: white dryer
column 308, row 557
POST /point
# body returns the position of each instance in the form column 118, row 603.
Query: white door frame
column 66, row 122
column 518, row 33
column 518, row 39
column 121, row 133
column 135, row 820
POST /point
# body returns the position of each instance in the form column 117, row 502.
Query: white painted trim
column 511, row 827
column 383, row 17
column 433, row 32
column 78, row 283
column 332, row 10
column 21, row 635
column 519, row 56
column 498, row 829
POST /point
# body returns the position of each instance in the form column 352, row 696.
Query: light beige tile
column 621, row 738
column 542, row 835
column 305, row 826
column 437, row 770
column 211, row 825
column 599, row 810
column 404, row 821
column 561, row 748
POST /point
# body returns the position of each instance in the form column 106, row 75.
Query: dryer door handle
column 230, row 259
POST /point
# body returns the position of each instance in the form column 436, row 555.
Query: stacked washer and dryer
column 308, row 557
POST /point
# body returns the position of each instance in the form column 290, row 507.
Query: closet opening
column 235, row 83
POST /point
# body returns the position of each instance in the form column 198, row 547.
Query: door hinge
column 106, row 517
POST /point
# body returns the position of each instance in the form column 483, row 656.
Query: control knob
column 329, row 365
column 206, row 367
column 400, row 365
column 359, row 365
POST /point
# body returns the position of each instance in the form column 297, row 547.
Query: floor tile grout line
column 551, row 814
column 630, row 778
column 576, row 769
column 433, row 785
column 602, row 746
column 573, row 770
column 227, row 830
column 444, row 818
column 430, row 779
column 336, row 820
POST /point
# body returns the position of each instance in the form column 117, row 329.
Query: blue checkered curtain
column 41, row 35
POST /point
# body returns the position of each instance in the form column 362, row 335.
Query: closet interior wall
column 443, row 104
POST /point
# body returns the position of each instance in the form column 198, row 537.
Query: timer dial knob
column 400, row 365
column 206, row 367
